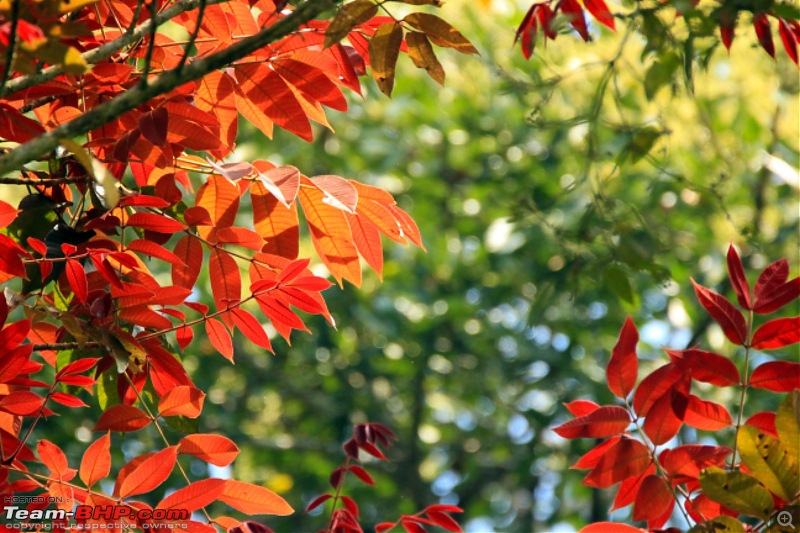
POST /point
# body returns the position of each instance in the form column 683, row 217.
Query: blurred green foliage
column 554, row 197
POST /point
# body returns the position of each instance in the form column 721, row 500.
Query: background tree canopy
column 554, row 197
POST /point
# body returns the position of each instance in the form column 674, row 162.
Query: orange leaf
column 253, row 499
column 217, row 95
column 368, row 242
column 194, row 496
column 122, row 418
column 275, row 222
column 339, row 192
column 214, row 449
column 96, row 462
column 150, row 473
column 220, row 338
column 623, row 366
column 241, row 237
column 182, row 401
column 52, row 457
column 265, row 90
column 312, row 82
column 331, row 236
column 251, row 328
column 220, row 198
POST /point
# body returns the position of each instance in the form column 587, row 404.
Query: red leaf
column 777, row 334
column 194, row 496
column 7, row 214
column 666, row 416
column 77, row 280
column 350, row 505
column 184, row 336
column 220, row 338
column 600, row 11
column 361, row 474
column 708, row 367
column 702, row 508
column 771, row 278
column 182, row 401
column 572, row 10
column 765, row 421
column 581, row 407
column 189, row 252
column 777, row 298
column 156, row 250
column 688, row 460
column 154, row 124
column 527, row 32
column 122, row 418
column 156, row 223
column 150, row 473
column 777, row 376
column 726, row 315
column 443, row 520
column 78, row 367
column 627, row 458
column 610, row 527
column 789, row 39
column 738, row 279
column 96, row 462
column 226, row 281
column 22, row 403
column 623, row 366
column 67, row 399
column 629, row 488
column 214, row 449
column 316, row 502
column 16, row 127
column 605, row 421
column 653, row 500
column 373, row 450
column 384, row 526
column 590, row 458
column 411, row 527
column 705, row 415
column 253, row 499
column 764, row 33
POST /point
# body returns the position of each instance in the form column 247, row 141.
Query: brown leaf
column 421, row 53
column 384, row 48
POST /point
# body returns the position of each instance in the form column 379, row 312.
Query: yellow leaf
column 349, row 16
column 106, row 188
column 384, row 48
column 421, row 53
column 441, row 33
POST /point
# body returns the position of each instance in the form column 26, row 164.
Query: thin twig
column 200, row 13
column 12, row 43
column 148, row 57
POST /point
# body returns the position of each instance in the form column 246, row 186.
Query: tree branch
column 137, row 96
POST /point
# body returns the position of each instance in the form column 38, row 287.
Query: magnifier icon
column 785, row 519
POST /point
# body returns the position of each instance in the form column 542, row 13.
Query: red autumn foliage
column 710, row 483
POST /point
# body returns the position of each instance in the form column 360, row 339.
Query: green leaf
column 720, row 524
column 739, row 491
column 787, row 423
column 660, row 74
column 183, row 424
column 769, row 461
column 107, row 394
column 619, row 283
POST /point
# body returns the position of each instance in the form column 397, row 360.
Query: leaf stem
column 744, row 385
